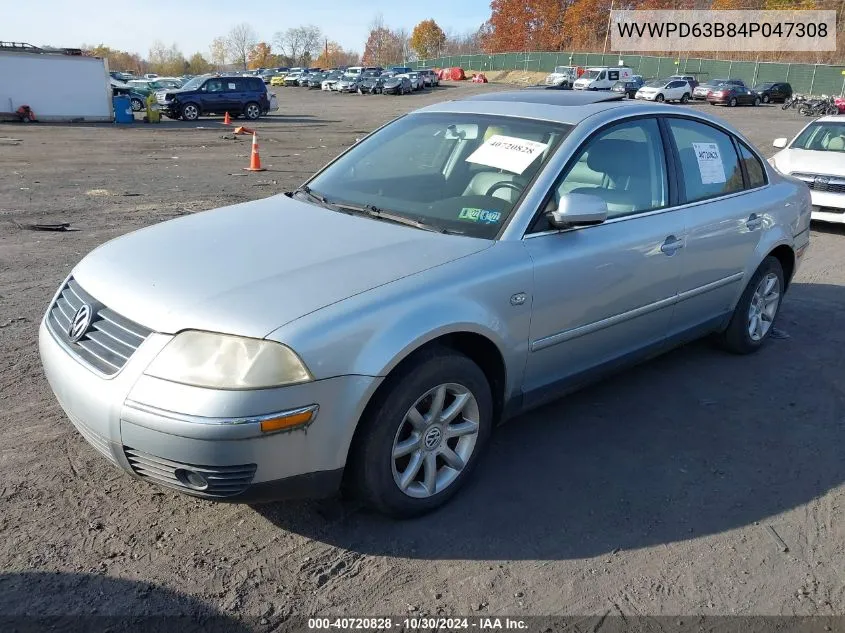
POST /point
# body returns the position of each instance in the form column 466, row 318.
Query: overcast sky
column 192, row 24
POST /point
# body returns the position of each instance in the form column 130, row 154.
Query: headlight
column 204, row 359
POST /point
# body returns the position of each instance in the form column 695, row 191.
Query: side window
column 753, row 167
column 601, row 75
column 213, row 85
column 613, row 74
column 256, row 85
column 234, row 85
column 709, row 164
column 624, row 165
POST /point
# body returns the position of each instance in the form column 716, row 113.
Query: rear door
column 725, row 211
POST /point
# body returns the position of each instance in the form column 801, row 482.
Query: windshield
column 465, row 174
column 561, row 70
column 350, row 76
column 659, row 83
column 822, row 137
column 765, row 86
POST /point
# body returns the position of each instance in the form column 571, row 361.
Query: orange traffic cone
column 254, row 159
column 227, row 120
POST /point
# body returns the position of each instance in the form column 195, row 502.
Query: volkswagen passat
column 373, row 325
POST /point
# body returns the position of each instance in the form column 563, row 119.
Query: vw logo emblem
column 432, row 438
column 80, row 323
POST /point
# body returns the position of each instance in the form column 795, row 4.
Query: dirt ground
column 649, row 494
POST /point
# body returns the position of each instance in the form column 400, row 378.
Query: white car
column 817, row 156
column 665, row 90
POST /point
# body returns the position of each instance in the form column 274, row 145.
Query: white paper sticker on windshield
column 709, row 163
column 507, row 152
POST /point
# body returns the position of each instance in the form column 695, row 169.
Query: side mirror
column 578, row 209
column 780, row 143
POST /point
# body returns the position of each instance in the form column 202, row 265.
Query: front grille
column 109, row 341
column 821, row 182
column 223, row 481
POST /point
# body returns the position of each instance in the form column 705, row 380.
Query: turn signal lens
column 290, row 421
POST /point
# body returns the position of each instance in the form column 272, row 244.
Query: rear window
column 709, row 164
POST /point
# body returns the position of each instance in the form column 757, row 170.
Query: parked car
column 137, row 100
column 629, row 87
column 370, row 82
column 278, row 79
column 732, row 95
column 396, row 84
column 330, row 81
column 292, row 78
column 430, row 77
column 665, row 90
column 348, row 82
column 690, row 79
column 400, row 70
column 487, row 272
column 773, row 91
column 146, row 86
column 817, row 157
column 701, row 90
column 562, row 77
column 417, row 81
column 236, row 95
column 315, row 80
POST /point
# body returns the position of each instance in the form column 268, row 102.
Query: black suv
column 216, row 95
column 773, row 91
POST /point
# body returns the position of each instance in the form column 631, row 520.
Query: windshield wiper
column 373, row 211
column 313, row 196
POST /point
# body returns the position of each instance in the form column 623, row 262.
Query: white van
column 602, row 78
column 563, row 76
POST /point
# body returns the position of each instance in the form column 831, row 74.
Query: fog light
column 191, row 479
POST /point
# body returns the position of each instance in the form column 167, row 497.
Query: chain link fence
column 804, row 78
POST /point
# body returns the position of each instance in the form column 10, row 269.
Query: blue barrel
column 122, row 109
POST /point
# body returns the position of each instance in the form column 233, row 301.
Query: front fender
column 370, row 333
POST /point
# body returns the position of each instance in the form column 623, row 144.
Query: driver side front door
column 604, row 294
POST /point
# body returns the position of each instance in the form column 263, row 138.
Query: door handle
column 671, row 245
column 754, row 222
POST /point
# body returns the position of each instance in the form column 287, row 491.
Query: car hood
column 248, row 269
column 806, row 161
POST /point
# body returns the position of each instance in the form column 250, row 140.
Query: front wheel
column 732, row 102
column 252, row 111
column 756, row 101
column 755, row 314
column 765, row 98
column 786, row 105
column 660, row 98
column 831, row 110
column 190, row 112
column 422, row 437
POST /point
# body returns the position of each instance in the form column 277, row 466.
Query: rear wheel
column 252, row 111
column 685, row 98
column 190, row 112
column 423, row 436
column 757, row 309
column 732, row 102
column 137, row 105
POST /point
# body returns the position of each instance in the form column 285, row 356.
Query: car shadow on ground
column 59, row 601
column 693, row 443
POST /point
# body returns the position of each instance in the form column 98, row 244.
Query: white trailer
column 56, row 86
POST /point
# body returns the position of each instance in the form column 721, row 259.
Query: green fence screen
column 806, row 78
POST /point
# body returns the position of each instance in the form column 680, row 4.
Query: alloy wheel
column 764, row 307
column 435, row 440
column 252, row 112
column 190, row 112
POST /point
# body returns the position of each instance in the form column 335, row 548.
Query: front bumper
column 157, row 430
column 645, row 97
column 827, row 206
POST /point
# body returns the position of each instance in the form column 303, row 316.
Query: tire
column 732, row 102
column 660, row 98
column 737, row 337
column 190, row 112
column 765, row 98
column 831, row 110
column 137, row 105
column 252, row 111
column 786, row 105
column 756, row 101
column 376, row 474
column 685, row 98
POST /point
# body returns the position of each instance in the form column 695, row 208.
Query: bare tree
column 218, row 52
column 301, row 44
column 241, row 39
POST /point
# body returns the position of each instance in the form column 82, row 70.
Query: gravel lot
column 648, row 494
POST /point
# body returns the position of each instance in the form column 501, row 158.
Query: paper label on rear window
column 709, row 163
column 507, row 152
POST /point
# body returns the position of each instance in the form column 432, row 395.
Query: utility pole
column 607, row 33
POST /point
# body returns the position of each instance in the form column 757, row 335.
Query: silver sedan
column 375, row 324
